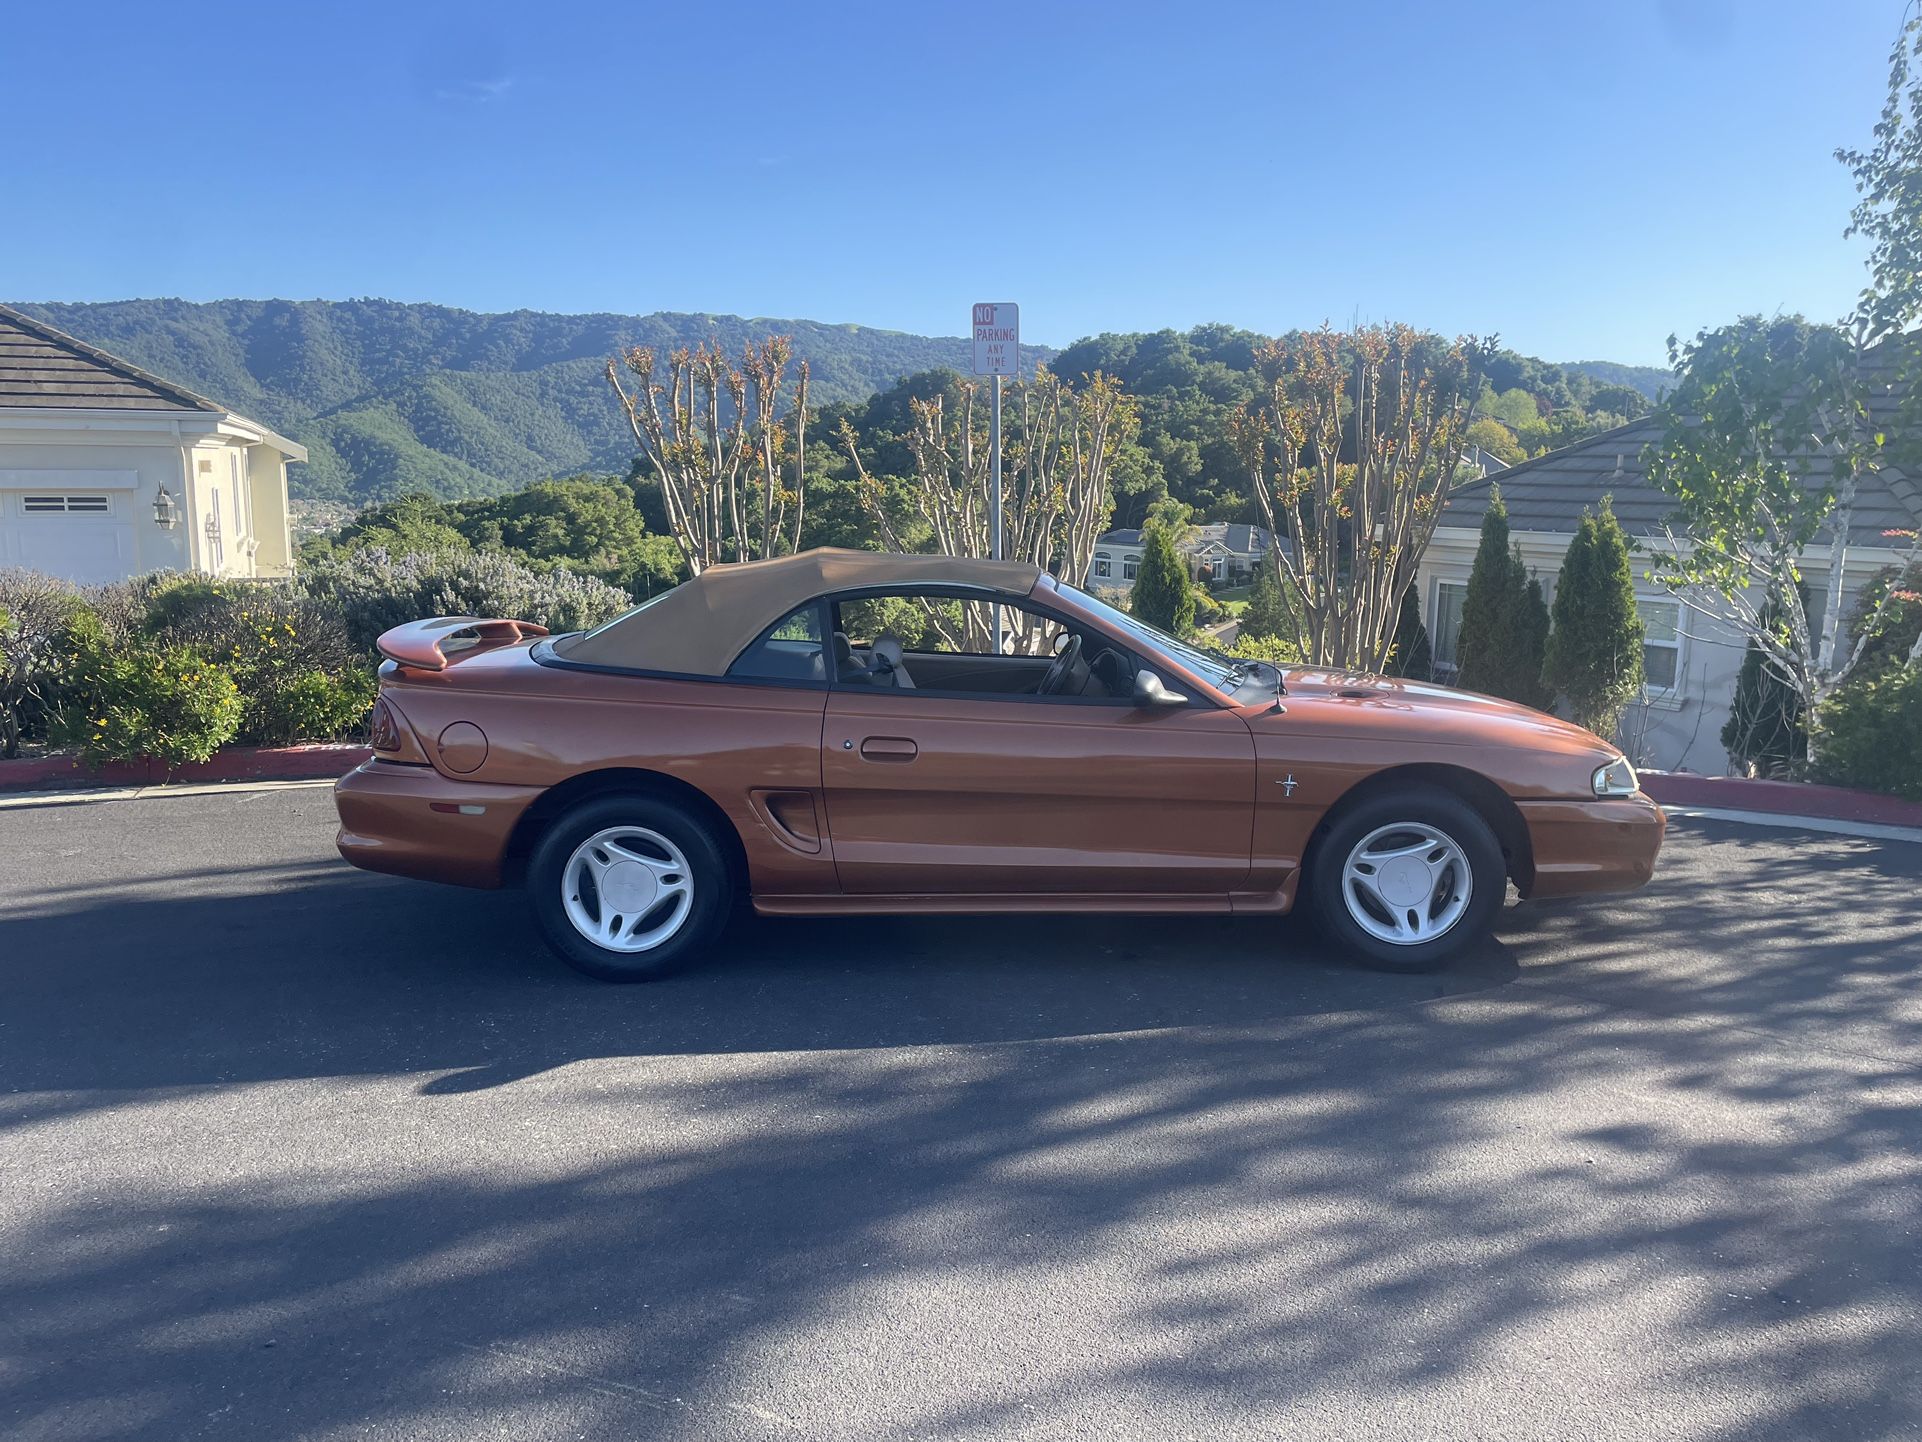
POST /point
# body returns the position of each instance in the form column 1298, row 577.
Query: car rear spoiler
column 425, row 644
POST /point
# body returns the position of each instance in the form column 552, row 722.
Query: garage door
column 79, row 536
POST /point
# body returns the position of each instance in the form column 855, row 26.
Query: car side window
column 789, row 650
column 914, row 640
column 947, row 626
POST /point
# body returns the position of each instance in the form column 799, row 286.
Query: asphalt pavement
column 290, row 1151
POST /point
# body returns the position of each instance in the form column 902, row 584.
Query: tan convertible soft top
column 698, row 628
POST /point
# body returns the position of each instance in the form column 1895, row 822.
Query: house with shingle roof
column 1690, row 658
column 1222, row 553
column 107, row 471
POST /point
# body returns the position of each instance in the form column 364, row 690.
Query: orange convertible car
column 845, row 732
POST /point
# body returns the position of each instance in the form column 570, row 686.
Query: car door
column 995, row 794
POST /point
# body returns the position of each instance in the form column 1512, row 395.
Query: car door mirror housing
column 1150, row 692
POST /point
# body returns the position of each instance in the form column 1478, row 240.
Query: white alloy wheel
column 1407, row 883
column 627, row 888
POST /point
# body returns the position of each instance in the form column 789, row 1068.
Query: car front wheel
column 629, row 888
column 1408, row 879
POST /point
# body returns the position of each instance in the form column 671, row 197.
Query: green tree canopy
column 1271, row 609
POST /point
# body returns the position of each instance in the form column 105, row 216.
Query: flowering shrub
column 300, row 675
column 168, row 703
column 372, row 591
column 310, row 706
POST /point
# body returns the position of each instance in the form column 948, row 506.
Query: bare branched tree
column 1352, row 452
column 1058, row 454
column 725, row 450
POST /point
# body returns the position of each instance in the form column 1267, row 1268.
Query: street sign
column 997, row 338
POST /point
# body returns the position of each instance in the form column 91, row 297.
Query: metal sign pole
column 994, row 521
column 997, row 352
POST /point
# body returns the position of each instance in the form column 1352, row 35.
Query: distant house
column 107, row 471
column 1691, row 660
column 1220, row 553
column 1479, row 462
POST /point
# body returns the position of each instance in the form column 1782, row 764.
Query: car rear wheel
column 1408, row 879
column 629, row 888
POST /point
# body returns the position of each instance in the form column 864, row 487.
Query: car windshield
column 1213, row 669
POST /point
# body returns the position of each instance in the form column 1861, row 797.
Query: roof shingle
column 1550, row 492
column 46, row 369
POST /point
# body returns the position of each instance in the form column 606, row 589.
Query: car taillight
column 383, row 728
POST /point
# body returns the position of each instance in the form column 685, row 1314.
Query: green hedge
column 169, row 703
column 1871, row 734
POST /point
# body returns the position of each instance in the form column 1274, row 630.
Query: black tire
column 711, row 880
column 1430, row 807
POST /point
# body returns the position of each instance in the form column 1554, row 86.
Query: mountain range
column 391, row 397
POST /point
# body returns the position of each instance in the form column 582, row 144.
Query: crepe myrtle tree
column 1351, row 451
column 724, row 443
column 1059, row 447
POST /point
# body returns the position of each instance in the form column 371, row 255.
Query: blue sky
column 1583, row 179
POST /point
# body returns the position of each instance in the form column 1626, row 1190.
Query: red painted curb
column 1780, row 798
column 237, row 763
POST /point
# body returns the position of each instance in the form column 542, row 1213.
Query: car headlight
column 1616, row 779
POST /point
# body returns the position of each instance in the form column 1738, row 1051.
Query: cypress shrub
column 1504, row 619
column 1411, row 657
column 1162, row 594
column 1766, row 733
column 1270, row 610
column 1594, row 654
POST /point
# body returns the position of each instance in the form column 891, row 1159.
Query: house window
column 1662, row 643
column 69, row 505
column 1129, row 566
column 1445, row 633
column 1103, row 564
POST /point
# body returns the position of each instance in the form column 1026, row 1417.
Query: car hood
column 1347, row 703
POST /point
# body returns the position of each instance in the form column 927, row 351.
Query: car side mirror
column 1150, row 692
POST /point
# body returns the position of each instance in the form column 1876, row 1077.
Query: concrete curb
column 1780, row 798
column 1868, row 830
column 237, row 763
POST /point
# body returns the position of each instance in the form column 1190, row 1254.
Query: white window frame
column 1103, row 565
column 1432, row 621
column 1130, row 567
column 1669, row 697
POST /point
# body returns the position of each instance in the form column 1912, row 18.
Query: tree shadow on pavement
column 1616, row 1178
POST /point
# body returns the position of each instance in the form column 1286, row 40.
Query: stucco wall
column 155, row 461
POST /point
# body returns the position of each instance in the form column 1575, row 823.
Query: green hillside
column 391, row 398
column 1651, row 381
